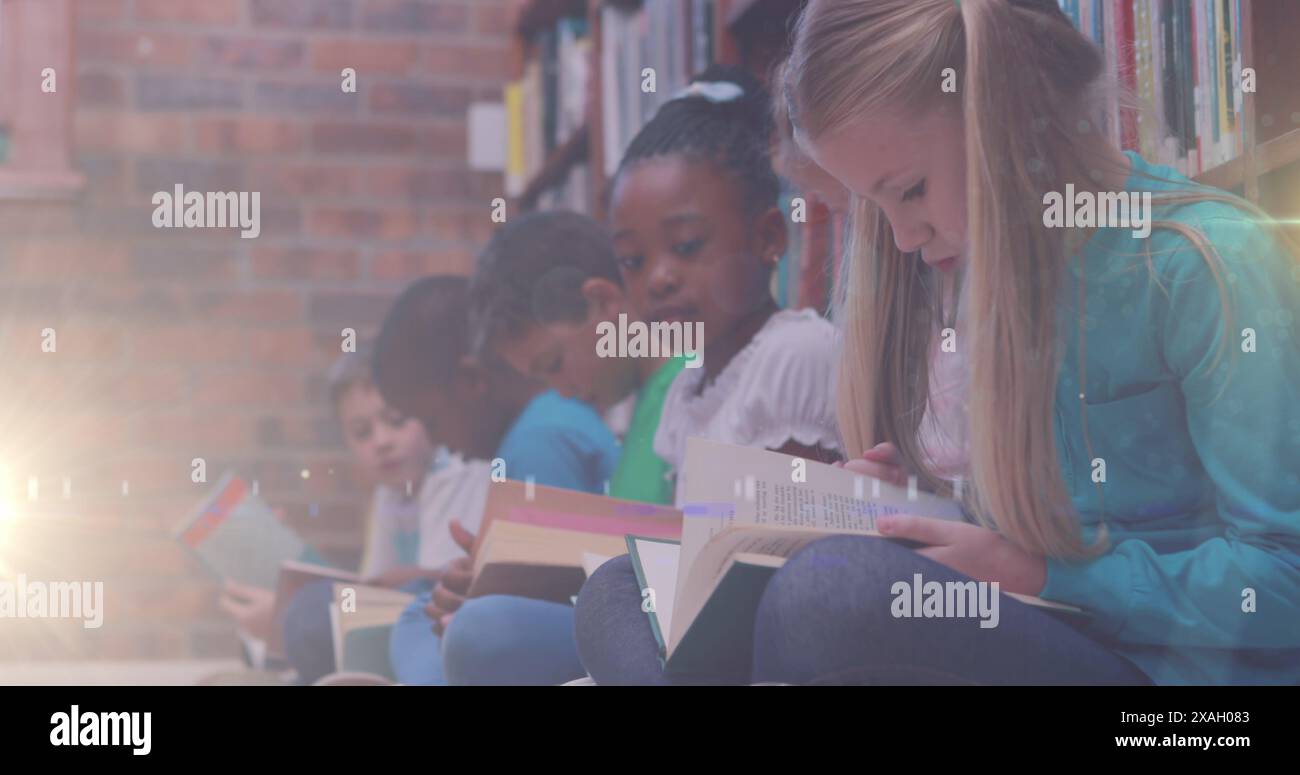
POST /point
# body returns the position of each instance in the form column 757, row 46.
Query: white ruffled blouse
column 778, row 388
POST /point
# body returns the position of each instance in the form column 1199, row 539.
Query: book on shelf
column 1181, row 62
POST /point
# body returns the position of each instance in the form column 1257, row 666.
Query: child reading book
column 1128, row 453
column 480, row 407
column 544, row 294
column 390, row 450
column 540, row 290
column 697, row 231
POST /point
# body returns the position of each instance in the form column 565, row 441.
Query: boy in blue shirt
column 476, row 405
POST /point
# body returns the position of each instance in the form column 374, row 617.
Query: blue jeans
column 825, row 618
column 493, row 640
column 414, row 651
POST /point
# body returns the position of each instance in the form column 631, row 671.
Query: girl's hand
column 976, row 551
column 453, row 586
column 880, row 462
column 251, row 607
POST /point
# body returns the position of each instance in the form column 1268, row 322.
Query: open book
column 538, row 542
column 361, row 618
column 238, row 536
column 746, row 510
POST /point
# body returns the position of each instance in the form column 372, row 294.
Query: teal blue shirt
column 560, row 442
column 1202, row 461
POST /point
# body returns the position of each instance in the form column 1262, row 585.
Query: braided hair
column 723, row 117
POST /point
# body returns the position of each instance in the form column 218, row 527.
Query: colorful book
column 238, row 536
column 534, row 541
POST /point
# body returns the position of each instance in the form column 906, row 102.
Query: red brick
column 248, row 307
column 99, row 88
column 84, row 341
column 68, row 259
column 247, row 134
column 471, row 226
column 198, row 433
column 96, row 11
column 480, row 61
column 156, row 49
column 188, row 344
column 305, row 264
column 251, row 53
column 185, row 12
column 420, row 99
column 111, row 130
column 365, row 56
column 367, row 138
column 357, row 223
column 494, row 18
column 456, row 185
column 302, row 181
column 286, row 346
column 98, row 430
column 408, row 265
column 148, row 385
column 317, row 14
column 413, row 17
column 248, row 387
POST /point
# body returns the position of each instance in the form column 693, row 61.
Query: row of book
column 547, row 105
column 1181, row 62
column 675, row 37
column 702, row 567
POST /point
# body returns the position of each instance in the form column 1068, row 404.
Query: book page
column 724, row 485
column 659, row 567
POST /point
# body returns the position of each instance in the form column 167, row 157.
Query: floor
column 122, row 673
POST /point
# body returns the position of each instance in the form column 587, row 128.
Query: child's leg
column 826, row 617
column 615, row 641
column 506, row 640
column 308, row 638
column 414, row 650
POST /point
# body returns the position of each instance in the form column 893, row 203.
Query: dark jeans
column 826, row 618
column 308, row 636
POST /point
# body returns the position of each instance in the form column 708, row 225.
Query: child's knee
column 479, row 636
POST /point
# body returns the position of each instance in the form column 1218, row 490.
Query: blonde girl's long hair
column 1027, row 79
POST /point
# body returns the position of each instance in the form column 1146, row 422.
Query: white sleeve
column 379, row 554
column 789, row 394
column 458, row 492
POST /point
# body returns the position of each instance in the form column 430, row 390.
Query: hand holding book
column 453, row 585
column 880, row 462
column 976, row 551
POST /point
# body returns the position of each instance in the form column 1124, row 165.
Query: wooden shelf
column 557, row 165
column 1269, row 156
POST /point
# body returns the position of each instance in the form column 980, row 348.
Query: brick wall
column 181, row 343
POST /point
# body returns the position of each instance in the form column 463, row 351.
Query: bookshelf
column 1262, row 163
